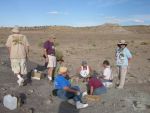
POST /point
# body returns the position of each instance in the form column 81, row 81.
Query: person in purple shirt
column 49, row 54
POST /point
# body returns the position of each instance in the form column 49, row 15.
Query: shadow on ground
column 65, row 107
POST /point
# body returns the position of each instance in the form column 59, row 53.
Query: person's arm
column 129, row 55
column 78, row 70
column 27, row 46
column 45, row 53
column 8, row 44
column 91, row 90
column 71, row 90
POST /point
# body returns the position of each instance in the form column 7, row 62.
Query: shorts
column 51, row 61
column 19, row 66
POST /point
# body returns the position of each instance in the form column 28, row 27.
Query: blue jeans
column 100, row 90
column 69, row 95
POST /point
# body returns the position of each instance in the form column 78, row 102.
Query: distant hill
column 105, row 28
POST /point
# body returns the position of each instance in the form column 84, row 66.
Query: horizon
column 85, row 13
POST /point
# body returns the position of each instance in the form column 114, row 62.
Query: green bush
column 59, row 55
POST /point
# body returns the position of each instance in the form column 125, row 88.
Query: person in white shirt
column 84, row 70
column 107, row 77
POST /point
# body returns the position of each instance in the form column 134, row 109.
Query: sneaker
column 20, row 81
column 80, row 105
column 49, row 78
column 71, row 101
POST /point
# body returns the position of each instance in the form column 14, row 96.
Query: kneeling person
column 95, row 86
column 65, row 91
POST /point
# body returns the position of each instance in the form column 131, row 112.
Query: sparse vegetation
column 59, row 55
column 144, row 43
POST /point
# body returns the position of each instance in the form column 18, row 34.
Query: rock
column 31, row 110
column 31, row 90
column 137, row 105
column 3, row 89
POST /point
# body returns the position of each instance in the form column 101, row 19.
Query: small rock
column 138, row 105
column 3, row 89
column 31, row 110
column 31, row 91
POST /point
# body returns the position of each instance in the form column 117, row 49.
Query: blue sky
column 74, row 12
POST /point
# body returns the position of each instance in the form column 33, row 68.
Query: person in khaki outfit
column 123, row 56
column 18, row 47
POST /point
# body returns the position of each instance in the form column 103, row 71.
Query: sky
column 74, row 12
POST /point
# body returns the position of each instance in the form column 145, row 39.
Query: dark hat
column 84, row 63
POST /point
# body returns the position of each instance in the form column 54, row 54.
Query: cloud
column 58, row 13
column 139, row 19
column 106, row 3
column 54, row 12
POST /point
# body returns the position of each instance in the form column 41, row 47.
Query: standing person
column 123, row 56
column 49, row 52
column 18, row 47
column 65, row 91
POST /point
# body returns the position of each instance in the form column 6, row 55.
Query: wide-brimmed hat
column 122, row 42
column 15, row 30
column 63, row 70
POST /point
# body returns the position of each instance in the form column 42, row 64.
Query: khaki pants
column 122, row 71
column 19, row 66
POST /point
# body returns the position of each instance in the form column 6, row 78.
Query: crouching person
column 65, row 91
column 95, row 86
column 107, row 77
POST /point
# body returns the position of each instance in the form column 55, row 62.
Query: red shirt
column 95, row 83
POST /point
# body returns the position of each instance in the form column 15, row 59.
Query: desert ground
column 93, row 44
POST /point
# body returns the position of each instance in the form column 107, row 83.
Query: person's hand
column 46, row 59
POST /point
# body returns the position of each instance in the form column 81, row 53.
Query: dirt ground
column 79, row 44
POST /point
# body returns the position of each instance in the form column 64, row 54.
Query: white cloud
column 58, row 13
column 139, row 19
column 53, row 12
column 106, row 3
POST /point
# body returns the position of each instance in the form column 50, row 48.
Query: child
column 107, row 76
column 84, row 69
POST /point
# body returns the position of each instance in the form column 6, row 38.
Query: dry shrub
column 59, row 55
column 144, row 43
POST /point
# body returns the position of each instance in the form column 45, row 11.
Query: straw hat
column 63, row 70
column 122, row 42
column 15, row 30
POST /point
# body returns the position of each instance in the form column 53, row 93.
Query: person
column 49, row 53
column 123, row 56
column 65, row 91
column 107, row 77
column 84, row 69
column 95, row 86
column 18, row 47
